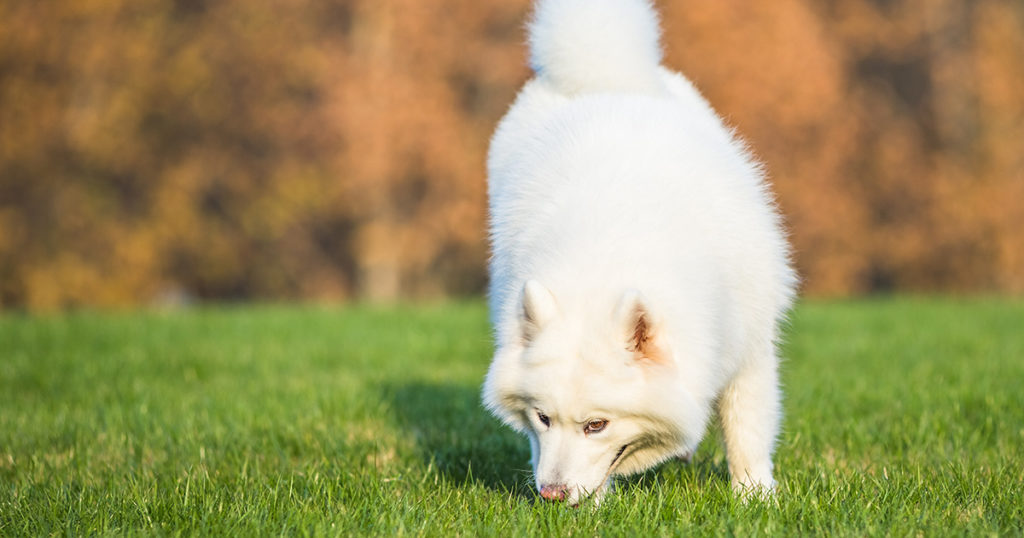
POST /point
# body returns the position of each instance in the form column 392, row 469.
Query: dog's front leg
column 750, row 411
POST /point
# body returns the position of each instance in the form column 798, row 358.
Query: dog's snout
column 555, row 492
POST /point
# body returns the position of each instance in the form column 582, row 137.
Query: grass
column 904, row 417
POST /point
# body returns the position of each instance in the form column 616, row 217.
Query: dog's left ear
column 538, row 308
column 639, row 328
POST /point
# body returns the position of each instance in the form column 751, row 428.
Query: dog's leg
column 750, row 411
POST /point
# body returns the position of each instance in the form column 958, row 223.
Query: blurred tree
column 165, row 149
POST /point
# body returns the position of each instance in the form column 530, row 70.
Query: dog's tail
column 584, row 46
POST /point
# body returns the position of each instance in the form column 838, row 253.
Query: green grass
column 904, row 417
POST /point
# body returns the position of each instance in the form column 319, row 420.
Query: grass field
column 904, row 417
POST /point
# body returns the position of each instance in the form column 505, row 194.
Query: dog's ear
column 638, row 327
column 538, row 308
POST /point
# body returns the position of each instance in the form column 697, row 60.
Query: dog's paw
column 762, row 489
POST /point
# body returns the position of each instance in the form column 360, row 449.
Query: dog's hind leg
column 750, row 411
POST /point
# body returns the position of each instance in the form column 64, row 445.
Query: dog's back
column 611, row 170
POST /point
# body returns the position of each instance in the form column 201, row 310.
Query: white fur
column 596, row 45
column 611, row 193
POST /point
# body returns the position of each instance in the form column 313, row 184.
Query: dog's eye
column 543, row 419
column 595, row 426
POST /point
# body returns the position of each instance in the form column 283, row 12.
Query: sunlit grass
column 904, row 416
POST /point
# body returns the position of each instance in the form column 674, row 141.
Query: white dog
column 639, row 271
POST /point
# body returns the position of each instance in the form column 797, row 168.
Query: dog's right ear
column 538, row 308
column 639, row 328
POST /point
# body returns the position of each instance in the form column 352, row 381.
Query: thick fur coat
column 640, row 270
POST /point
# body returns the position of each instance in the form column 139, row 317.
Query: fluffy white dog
column 639, row 271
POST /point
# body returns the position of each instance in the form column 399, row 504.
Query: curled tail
column 583, row 46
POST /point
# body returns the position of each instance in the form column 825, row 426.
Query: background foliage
column 159, row 150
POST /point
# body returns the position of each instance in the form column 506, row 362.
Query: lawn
column 904, row 417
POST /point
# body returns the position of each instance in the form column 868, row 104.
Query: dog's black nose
column 554, row 492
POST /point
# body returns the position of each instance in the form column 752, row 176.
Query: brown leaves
column 297, row 149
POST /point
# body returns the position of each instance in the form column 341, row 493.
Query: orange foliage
column 158, row 149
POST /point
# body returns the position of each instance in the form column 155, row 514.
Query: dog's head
column 595, row 391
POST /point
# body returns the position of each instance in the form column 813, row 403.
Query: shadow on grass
column 467, row 445
column 702, row 473
column 454, row 433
